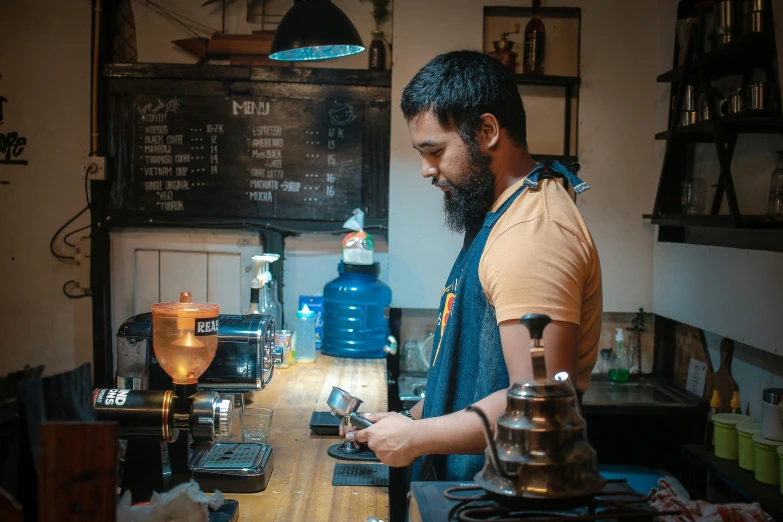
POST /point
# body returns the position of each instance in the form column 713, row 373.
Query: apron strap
column 550, row 169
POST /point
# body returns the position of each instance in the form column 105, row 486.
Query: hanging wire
column 74, row 218
column 65, row 239
column 180, row 19
column 85, row 293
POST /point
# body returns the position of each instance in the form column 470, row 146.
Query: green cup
column 767, row 460
column 726, row 434
column 780, row 457
column 746, row 452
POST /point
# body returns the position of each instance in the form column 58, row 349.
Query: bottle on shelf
column 622, row 366
column 736, row 405
column 709, row 435
column 535, row 42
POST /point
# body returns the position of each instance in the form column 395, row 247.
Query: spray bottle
column 622, row 365
column 266, row 304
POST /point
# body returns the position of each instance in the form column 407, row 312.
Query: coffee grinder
column 171, row 433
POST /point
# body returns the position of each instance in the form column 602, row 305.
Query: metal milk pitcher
column 540, row 448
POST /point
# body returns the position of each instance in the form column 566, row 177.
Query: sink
column 636, row 393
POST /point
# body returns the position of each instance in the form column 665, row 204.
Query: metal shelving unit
column 746, row 54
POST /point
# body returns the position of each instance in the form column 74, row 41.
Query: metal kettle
column 540, row 448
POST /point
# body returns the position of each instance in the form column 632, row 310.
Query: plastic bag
column 357, row 245
column 184, row 503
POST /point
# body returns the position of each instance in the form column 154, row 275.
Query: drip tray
column 360, row 475
column 232, row 456
column 233, row 467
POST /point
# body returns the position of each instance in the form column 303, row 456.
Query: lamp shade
column 315, row 30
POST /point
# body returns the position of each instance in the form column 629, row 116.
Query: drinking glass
column 256, row 423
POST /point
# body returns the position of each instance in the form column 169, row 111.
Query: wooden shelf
column 739, row 480
column 715, row 221
column 555, row 157
column 749, row 51
column 547, row 80
column 764, row 123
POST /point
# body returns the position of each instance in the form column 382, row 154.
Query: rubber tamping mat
column 366, row 455
column 360, row 475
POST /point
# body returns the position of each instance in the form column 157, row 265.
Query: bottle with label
column 304, row 347
column 255, row 290
column 621, row 369
column 535, row 42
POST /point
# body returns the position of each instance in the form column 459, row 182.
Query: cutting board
column 722, row 379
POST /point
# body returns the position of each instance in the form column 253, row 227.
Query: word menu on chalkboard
column 247, row 156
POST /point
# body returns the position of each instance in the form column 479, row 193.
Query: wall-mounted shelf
column 547, row 80
column 748, row 52
column 563, row 60
column 740, row 123
column 743, row 56
column 555, row 157
column 715, row 221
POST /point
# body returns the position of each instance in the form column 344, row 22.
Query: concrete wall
column 45, row 68
column 618, row 109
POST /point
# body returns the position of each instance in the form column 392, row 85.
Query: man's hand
column 390, row 437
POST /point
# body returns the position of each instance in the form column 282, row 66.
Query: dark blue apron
column 467, row 358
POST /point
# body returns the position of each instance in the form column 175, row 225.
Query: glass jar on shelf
column 775, row 201
column 693, row 196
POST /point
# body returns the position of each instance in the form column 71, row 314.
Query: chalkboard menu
column 272, row 150
column 262, row 156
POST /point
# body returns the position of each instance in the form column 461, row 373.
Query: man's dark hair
column 459, row 87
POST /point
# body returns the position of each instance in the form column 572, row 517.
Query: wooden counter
column 300, row 488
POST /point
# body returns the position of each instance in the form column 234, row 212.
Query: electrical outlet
column 94, row 167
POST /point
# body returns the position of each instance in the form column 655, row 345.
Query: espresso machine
column 175, row 368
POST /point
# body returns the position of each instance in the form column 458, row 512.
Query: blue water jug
column 356, row 313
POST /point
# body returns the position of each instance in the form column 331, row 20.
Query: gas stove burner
column 611, row 503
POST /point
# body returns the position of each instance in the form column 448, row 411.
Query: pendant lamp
column 315, row 30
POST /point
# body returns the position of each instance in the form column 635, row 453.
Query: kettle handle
column 493, row 450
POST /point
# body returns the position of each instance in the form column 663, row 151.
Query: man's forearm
column 417, row 409
column 460, row 432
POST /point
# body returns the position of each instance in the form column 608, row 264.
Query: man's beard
column 467, row 203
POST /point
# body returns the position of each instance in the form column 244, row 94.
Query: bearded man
column 526, row 250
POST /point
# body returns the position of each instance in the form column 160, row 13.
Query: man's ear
column 489, row 132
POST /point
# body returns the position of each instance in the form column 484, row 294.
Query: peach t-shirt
column 540, row 258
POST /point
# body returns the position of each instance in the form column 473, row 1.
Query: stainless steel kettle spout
column 493, row 449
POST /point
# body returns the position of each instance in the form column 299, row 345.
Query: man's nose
column 428, row 170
